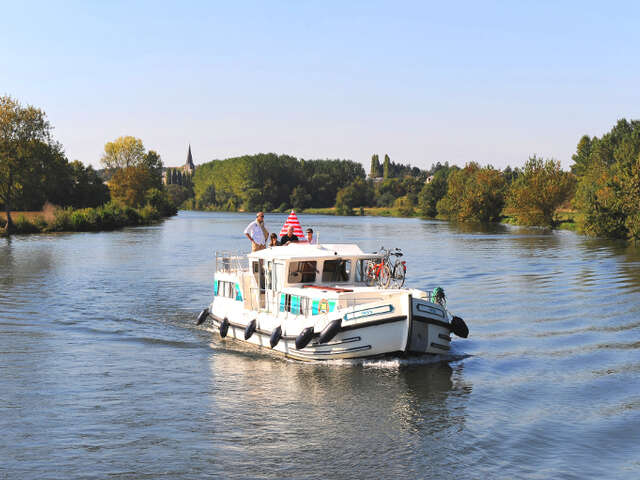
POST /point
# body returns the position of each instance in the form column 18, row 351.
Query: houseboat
column 317, row 302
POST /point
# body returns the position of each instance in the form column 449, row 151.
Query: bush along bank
column 110, row 216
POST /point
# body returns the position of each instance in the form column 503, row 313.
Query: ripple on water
column 104, row 374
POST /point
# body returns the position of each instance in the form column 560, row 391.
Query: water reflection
column 479, row 228
column 334, row 410
column 105, row 373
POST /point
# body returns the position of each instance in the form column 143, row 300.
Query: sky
column 425, row 82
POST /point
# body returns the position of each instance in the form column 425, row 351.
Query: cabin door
column 268, row 286
column 278, row 282
column 259, row 289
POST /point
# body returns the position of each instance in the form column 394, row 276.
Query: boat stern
column 428, row 327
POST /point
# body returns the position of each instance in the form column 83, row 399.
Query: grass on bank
column 110, row 216
column 566, row 219
column 371, row 211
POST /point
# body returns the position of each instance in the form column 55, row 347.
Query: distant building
column 189, row 167
column 429, row 179
column 180, row 175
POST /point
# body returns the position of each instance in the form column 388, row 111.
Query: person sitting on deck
column 310, row 239
column 289, row 237
column 273, row 240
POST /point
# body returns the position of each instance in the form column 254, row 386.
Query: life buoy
column 323, row 306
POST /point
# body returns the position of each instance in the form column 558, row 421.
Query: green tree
column 404, row 205
column 597, row 200
column 539, row 191
column 510, row 175
column 159, row 199
column 88, row 189
column 129, row 185
column 386, row 167
column 582, row 156
column 20, row 129
column 432, row 193
column 606, row 195
column 153, row 162
column 358, row 194
column 376, row 169
column 473, row 194
column 300, row 198
column 124, row 152
column 629, row 178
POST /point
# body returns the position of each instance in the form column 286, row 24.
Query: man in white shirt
column 257, row 233
column 310, row 239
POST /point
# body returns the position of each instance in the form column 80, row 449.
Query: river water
column 103, row 373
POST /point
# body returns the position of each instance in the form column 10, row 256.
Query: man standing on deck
column 257, row 233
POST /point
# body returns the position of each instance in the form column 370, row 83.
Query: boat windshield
column 302, row 272
column 338, row 270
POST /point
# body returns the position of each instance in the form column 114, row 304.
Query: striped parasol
column 292, row 220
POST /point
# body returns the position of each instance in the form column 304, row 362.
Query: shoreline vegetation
column 42, row 191
column 110, row 216
column 599, row 196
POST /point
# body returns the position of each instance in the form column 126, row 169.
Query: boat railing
column 231, row 262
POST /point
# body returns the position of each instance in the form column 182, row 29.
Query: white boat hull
column 398, row 332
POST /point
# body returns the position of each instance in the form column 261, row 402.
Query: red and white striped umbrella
column 292, row 220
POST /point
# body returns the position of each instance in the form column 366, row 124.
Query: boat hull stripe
column 346, row 328
column 432, row 321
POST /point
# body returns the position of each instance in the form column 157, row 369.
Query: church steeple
column 190, row 158
column 189, row 166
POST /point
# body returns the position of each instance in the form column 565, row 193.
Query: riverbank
column 566, row 219
column 107, row 217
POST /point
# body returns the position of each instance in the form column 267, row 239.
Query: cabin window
column 338, row 270
column 302, row 272
column 291, row 303
column 228, row 290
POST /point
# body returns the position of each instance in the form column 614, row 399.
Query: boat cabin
column 301, row 279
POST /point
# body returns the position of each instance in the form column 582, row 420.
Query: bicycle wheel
column 398, row 275
column 369, row 274
column 385, row 276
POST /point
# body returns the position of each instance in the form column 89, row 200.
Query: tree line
column 603, row 186
column 271, row 182
column 34, row 171
column 602, row 189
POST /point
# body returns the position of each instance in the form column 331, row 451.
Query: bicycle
column 399, row 270
column 379, row 273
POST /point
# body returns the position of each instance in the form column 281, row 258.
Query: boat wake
column 394, row 363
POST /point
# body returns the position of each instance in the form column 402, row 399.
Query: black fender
column 459, row 327
column 330, row 331
column 250, row 329
column 275, row 336
column 202, row 317
column 224, row 327
column 304, row 338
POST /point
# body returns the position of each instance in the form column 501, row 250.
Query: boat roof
column 304, row 251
